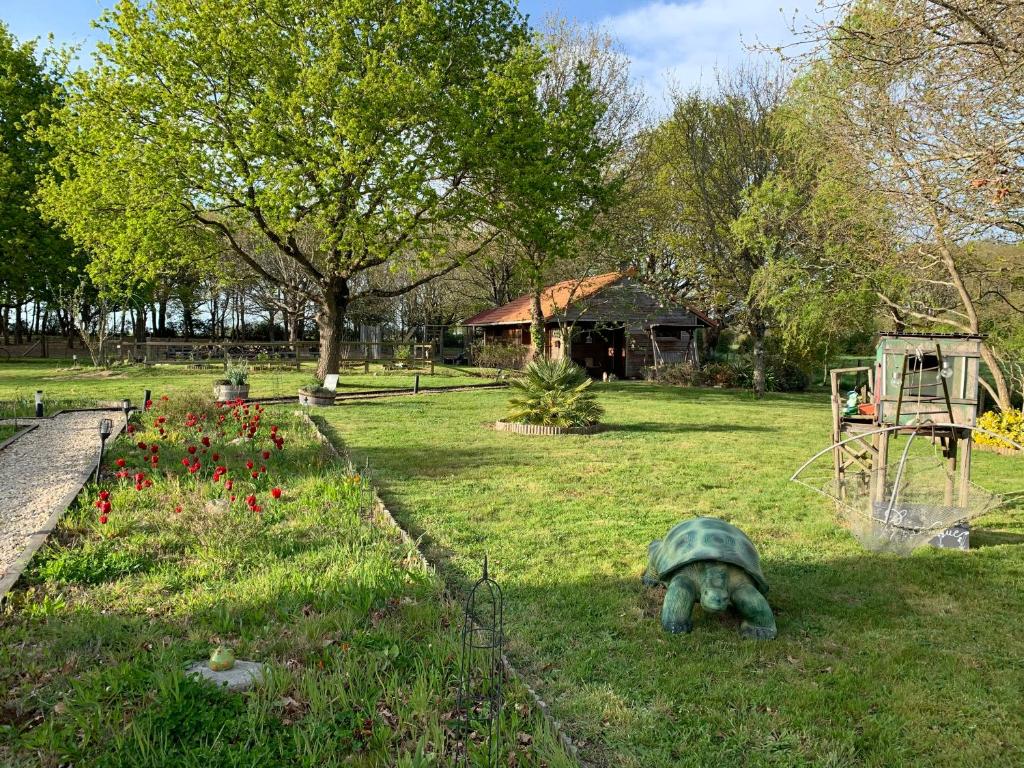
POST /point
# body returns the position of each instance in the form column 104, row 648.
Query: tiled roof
column 553, row 300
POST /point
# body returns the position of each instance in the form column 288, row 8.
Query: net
column 918, row 499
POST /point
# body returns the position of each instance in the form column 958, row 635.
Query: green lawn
column 64, row 386
column 880, row 660
column 361, row 644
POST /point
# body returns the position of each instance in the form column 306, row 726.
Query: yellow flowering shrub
column 1008, row 423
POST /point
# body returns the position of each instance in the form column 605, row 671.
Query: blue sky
column 670, row 44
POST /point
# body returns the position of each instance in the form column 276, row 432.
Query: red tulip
column 184, row 461
column 255, row 475
column 206, row 441
column 257, row 508
column 105, row 508
column 275, row 492
column 138, row 486
column 228, row 484
column 154, row 448
column 104, row 495
column 148, row 405
column 120, row 462
column 250, row 499
column 103, row 519
column 131, row 429
column 249, row 464
column 177, row 509
column 266, row 455
column 154, row 460
column 142, row 445
column 191, row 449
column 216, row 457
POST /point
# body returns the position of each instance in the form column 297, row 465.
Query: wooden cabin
column 607, row 324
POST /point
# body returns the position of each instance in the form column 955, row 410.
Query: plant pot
column 230, row 392
column 316, row 400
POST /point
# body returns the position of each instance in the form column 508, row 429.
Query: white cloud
column 682, row 44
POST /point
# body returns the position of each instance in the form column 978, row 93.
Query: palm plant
column 554, row 394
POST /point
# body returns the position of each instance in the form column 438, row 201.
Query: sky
column 672, row 45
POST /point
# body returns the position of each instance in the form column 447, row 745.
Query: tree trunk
column 186, row 319
column 537, row 324
column 140, row 324
column 295, row 326
column 330, row 319
column 17, row 322
column 757, row 332
column 709, row 341
column 161, row 318
column 1001, row 394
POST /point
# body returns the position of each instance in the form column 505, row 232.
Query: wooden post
column 950, row 453
column 880, row 442
column 837, row 432
column 965, row 471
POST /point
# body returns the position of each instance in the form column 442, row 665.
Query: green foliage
column 237, row 374
column 781, row 375
column 554, row 394
column 34, row 257
column 93, row 563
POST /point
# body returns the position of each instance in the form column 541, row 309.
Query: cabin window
column 524, row 336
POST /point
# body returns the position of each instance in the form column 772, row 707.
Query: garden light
column 106, row 427
column 126, row 406
column 39, row 403
column 416, row 385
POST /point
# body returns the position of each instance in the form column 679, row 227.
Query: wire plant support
column 481, row 674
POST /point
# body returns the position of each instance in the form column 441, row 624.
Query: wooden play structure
column 921, row 385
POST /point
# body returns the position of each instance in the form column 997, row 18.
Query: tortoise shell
column 703, row 539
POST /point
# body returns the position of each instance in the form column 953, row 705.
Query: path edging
column 380, row 510
column 21, row 432
column 36, row 540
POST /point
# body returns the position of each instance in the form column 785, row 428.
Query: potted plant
column 316, row 394
column 552, row 398
column 235, row 383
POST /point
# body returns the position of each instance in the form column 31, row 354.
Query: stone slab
column 241, row 677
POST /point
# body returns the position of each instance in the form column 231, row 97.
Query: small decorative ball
column 222, row 659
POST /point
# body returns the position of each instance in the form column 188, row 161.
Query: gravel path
column 40, row 475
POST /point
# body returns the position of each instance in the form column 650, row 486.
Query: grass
column 6, row 431
column 360, row 642
column 880, row 660
column 64, row 386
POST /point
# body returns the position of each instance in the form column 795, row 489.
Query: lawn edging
column 379, row 510
column 536, row 429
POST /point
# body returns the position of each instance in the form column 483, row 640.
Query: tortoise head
column 714, row 588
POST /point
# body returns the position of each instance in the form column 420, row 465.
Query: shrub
column 1009, row 424
column 316, row 388
column 780, row 376
column 507, row 356
column 554, row 394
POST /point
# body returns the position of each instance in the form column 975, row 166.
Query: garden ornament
column 222, row 659
column 706, row 560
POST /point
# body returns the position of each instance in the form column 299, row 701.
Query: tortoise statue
column 710, row 561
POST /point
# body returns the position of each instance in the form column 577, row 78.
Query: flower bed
column 241, row 530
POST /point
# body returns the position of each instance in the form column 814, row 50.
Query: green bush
column 554, row 394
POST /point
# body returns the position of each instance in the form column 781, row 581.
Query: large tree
column 926, row 96
column 36, row 262
column 706, row 161
column 367, row 122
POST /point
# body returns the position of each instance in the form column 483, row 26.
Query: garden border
column 380, row 510
column 518, row 428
